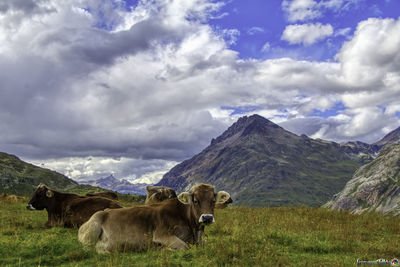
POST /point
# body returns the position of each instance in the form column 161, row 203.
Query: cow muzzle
column 206, row 218
column 30, row 207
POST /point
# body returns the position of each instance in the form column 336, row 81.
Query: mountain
column 371, row 151
column 260, row 163
column 391, row 138
column 363, row 151
column 120, row 186
column 21, row 178
column 374, row 187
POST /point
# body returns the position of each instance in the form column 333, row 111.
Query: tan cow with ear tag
column 173, row 223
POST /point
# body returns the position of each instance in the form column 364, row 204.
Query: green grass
column 241, row 236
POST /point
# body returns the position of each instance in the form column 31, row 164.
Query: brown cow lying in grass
column 173, row 223
column 68, row 210
column 157, row 194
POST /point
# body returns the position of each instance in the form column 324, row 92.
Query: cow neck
column 57, row 199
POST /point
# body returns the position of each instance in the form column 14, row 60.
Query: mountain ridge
column 260, row 163
column 391, row 138
column 121, row 186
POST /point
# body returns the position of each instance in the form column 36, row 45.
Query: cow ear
column 185, row 198
column 222, row 197
column 49, row 193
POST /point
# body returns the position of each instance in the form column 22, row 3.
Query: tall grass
column 241, row 236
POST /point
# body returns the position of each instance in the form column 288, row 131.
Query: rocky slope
column 260, row 163
column 391, row 138
column 374, row 187
column 120, row 186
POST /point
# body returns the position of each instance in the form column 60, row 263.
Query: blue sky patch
column 241, row 110
column 329, row 112
column 262, row 23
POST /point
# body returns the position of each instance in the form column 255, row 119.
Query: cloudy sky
column 90, row 87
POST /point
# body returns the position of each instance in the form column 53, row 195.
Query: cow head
column 202, row 200
column 41, row 198
column 160, row 193
column 165, row 193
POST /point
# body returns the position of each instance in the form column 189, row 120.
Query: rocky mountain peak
column 391, row 138
column 247, row 125
column 121, row 186
column 109, row 178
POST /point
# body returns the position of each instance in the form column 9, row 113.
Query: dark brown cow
column 68, row 210
column 173, row 223
column 156, row 194
column 110, row 195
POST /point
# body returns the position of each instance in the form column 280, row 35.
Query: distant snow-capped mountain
column 121, row 186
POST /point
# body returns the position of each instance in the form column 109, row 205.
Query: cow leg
column 52, row 221
column 200, row 240
column 103, row 247
column 169, row 241
column 48, row 224
column 199, row 234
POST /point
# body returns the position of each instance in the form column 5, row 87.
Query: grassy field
column 240, row 237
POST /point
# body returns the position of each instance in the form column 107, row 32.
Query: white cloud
column 255, row 30
column 372, row 56
column 230, row 35
column 266, row 47
column 343, row 32
column 307, row 10
column 86, row 168
column 301, row 10
column 368, row 124
column 306, row 34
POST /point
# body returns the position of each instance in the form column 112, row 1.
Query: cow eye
column 195, row 201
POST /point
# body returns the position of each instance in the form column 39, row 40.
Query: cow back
column 79, row 210
column 110, row 195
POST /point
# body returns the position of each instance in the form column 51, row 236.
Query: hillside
column 260, row 163
column 22, row 178
column 374, row 187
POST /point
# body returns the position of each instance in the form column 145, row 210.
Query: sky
column 131, row 88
